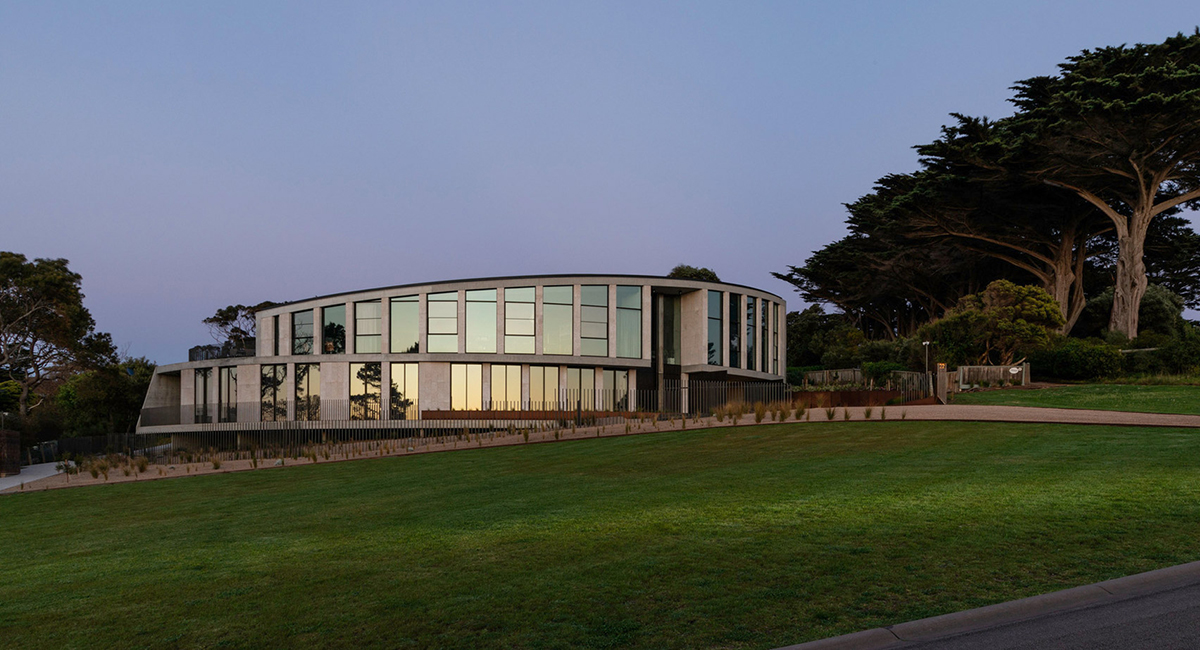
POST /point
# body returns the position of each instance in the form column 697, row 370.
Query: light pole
column 3, row 417
column 926, row 344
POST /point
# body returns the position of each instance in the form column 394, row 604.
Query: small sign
column 941, row 366
column 1015, row 370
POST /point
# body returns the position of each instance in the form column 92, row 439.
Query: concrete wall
column 434, row 382
column 693, row 311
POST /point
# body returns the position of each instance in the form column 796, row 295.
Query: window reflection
column 735, row 330
column 273, row 397
column 227, row 394
column 368, row 327
column 558, row 320
column 775, row 337
column 405, row 325
column 581, row 388
column 615, row 394
column 365, row 381
column 593, row 321
column 506, row 388
column 543, row 388
column 714, row 328
column 302, row 332
column 764, row 340
column 629, row 322
column 200, row 394
column 481, row 321
column 404, row 396
column 466, row 386
column 308, row 391
column 750, row 313
column 333, row 329
column 518, row 320
column 443, row 322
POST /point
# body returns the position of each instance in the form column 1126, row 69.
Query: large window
column 368, row 327
column 506, row 387
column 775, row 337
column 405, row 326
column 518, row 320
column 333, row 330
column 308, row 391
column 593, row 321
column 466, row 386
column 581, row 388
column 203, row 414
column 629, row 322
column 481, row 321
column 764, row 341
column 543, row 388
column 272, row 393
column 558, row 320
column 365, row 380
column 275, row 335
column 735, row 330
column 227, row 394
column 443, row 321
column 302, row 332
column 615, row 395
column 750, row 313
column 715, row 343
column 405, row 403
column 672, row 329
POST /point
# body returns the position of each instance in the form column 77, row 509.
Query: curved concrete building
column 426, row 351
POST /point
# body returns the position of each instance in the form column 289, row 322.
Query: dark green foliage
column 235, row 324
column 992, row 327
column 104, row 400
column 693, row 273
column 1077, row 359
column 1161, row 313
column 878, row 371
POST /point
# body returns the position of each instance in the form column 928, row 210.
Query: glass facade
column 308, row 391
column 764, row 341
column 506, row 387
column 543, row 388
column 405, row 402
column 200, row 396
column 272, row 393
column 466, row 386
column 302, row 332
column 593, row 320
column 405, row 326
column 365, row 381
column 368, row 327
column 227, row 394
column 672, row 330
column 333, row 329
column 735, row 330
column 715, row 343
column 275, row 335
column 443, row 322
column 615, row 395
column 518, row 320
column 750, row 333
column 481, row 321
column 558, row 320
column 629, row 322
column 581, row 388
column 775, row 337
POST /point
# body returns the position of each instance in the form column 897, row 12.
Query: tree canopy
column 235, row 325
column 693, row 273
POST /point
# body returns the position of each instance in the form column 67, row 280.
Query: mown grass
column 1107, row 397
column 735, row 538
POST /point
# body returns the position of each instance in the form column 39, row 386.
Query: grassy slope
column 754, row 537
column 1108, row 397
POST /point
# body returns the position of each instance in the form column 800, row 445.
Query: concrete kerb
column 1016, row 611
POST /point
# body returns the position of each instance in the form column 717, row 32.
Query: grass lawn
column 736, row 538
column 1107, row 397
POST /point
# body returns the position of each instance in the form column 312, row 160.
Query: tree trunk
column 1130, row 283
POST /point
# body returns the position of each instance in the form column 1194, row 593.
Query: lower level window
column 466, row 386
column 506, row 388
column 308, row 391
column 273, row 394
column 365, row 380
column 543, row 388
column 404, row 404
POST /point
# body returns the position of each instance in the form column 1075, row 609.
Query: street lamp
column 3, row 416
column 926, row 344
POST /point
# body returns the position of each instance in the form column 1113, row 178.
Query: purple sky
column 186, row 156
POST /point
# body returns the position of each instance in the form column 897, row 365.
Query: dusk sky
column 187, row 156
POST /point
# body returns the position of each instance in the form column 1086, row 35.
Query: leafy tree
column 1119, row 127
column 235, row 325
column 45, row 331
column 993, row 326
column 105, row 400
column 693, row 273
column 1160, row 312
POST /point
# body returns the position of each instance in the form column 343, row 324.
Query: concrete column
column 249, row 393
column 434, row 381
column 462, row 322
column 318, row 330
column 285, row 334
column 264, row 335
column 335, row 390
column 500, row 320
column 350, row 323
column 725, row 329
column 214, row 390
column 684, row 397
column 485, row 383
column 385, row 326
column 525, row 385
column 633, row 402
column 187, row 397
column 385, row 389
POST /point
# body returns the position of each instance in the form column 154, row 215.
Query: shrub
column 216, row 462
column 878, row 371
column 1078, row 359
column 760, row 412
column 829, row 413
column 867, row 413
